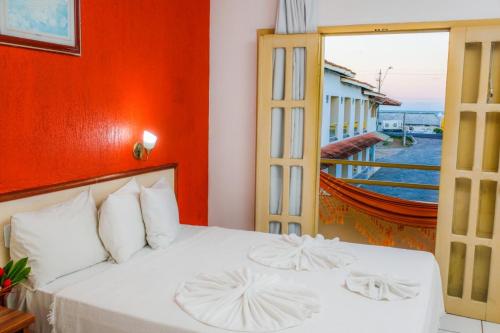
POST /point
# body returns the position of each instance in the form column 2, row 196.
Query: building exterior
column 392, row 124
column 416, row 122
column 350, row 110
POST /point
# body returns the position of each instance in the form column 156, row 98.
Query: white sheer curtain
column 294, row 16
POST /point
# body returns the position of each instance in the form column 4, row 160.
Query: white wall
column 233, row 63
column 332, row 86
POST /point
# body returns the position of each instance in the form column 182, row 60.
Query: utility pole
column 380, row 79
column 404, row 129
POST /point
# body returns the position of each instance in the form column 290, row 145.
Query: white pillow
column 58, row 240
column 120, row 222
column 160, row 213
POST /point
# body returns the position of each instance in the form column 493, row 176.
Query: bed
column 138, row 295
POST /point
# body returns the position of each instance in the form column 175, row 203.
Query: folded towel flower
column 242, row 300
column 302, row 253
column 382, row 287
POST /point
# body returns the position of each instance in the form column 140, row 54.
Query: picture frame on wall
column 50, row 25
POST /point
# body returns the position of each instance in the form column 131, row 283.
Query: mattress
column 39, row 302
column 138, row 296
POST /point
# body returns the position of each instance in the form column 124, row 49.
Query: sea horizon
column 411, row 111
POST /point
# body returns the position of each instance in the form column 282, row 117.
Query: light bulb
column 149, row 140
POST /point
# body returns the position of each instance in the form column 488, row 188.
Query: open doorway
column 382, row 126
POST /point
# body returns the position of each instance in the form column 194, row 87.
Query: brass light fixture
column 144, row 148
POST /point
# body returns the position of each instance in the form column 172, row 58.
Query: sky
column 419, row 61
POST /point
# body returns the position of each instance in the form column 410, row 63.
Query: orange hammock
column 395, row 210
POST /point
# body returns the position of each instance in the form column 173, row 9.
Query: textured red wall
column 144, row 65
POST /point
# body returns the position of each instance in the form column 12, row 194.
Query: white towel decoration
column 302, row 253
column 243, row 300
column 382, row 287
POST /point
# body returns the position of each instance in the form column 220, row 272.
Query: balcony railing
column 385, row 165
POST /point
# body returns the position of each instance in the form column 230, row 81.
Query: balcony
column 360, row 215
column 333, row 162
column 333, row 132
column 346, row 130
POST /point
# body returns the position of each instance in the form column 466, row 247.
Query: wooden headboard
column 37, row 198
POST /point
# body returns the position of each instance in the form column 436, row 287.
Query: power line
column 402, row 73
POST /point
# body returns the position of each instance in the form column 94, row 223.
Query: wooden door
column 468, row 233
column 288, row 123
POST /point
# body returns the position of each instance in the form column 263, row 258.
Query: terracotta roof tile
column 339, row 66
column 348, row 147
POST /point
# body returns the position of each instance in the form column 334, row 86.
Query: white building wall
column 358, row 119
column 349, row 105
column 332, row 86
column 392, row 124
column 372, row 121
column 233, row 77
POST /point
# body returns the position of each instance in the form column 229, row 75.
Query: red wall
column 144, row 65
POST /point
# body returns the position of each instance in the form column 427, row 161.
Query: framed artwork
column 51, row 25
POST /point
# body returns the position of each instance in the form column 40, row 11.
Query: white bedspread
column 304, row 253
column 245, row 301
column 382, row 286
column 138, row 296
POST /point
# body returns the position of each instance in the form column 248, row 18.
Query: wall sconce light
column 142, row 150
